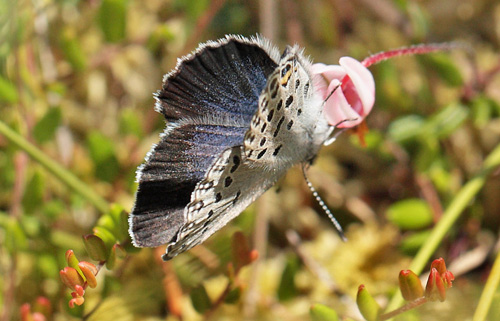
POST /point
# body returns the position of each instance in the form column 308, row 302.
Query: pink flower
column 353, row 100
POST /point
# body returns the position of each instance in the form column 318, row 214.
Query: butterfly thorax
column 288, row 127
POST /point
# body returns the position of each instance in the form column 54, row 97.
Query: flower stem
column 55, row 168
column 412, row 50
column 410, row 305
column 450, row 216
column 488, row 292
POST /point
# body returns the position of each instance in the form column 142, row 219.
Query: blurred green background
column 76, row 80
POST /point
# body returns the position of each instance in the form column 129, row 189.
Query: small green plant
column 439, row 280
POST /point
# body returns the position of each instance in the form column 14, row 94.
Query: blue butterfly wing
column 170, row 174
column 209, row 100
column 225, row 80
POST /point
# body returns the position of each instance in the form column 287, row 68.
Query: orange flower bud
column 89, row 270
column 70, row 277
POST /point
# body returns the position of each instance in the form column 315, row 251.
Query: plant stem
column 410, row 305
column 488, row 292
column 55, row 168
column 450, row 216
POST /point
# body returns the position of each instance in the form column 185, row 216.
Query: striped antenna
column 332, row 218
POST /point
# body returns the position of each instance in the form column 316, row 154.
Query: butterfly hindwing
column 171, row 172
column 228, row 188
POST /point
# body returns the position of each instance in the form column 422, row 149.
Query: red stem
column 407, row 51
column 413, row 50
column 410, row 305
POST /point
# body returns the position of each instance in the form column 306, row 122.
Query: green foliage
column 367, row 305
column 72, row 49
column 320, row 312
column 410, row 214
column 287, row 289
column 96, row 249
column 103, row 153
column 200, row 300
column 411, row 243
column 8, row 92
column 113, row 19
column 46, row 127
column 14, row 239
column 75, row 84
column 445, row 68
column 33, row 196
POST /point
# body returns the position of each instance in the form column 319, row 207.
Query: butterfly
column 239, row 115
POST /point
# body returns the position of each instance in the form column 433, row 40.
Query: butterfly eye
column 285, row 70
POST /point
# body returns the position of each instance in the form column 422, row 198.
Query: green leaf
column 46, row 127
column 200, row 300
column 95, row 247
column 73, row 261
column 287, row 289
column 115, row 221
column 70, row 46
column 233, row 296
column 108, row 223
column 48, row 265
column 14, row 239
column 483, row 109
column 102, row 152
column 444, row 66
column 405, row 128
column 111, row 261
column 105, row 235
column 113, row 19
column 410, row 244
column 320, row 312
column 446, row 121
column 162, row 34
column 8, row 91
column 120, row 221
column 53, row 209
column 130, row 123
column 193, row 8
column 33, row 195
column 367, row 304
column 418, row 19
column 117, row 253
column 410, row 214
